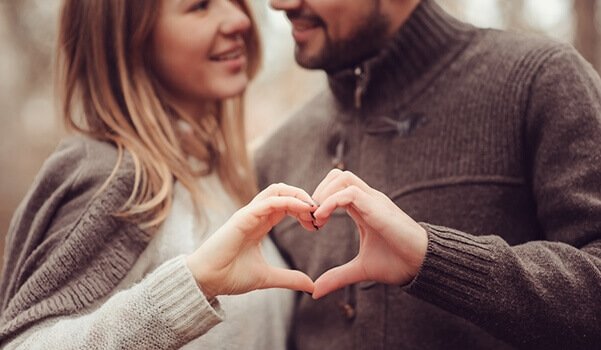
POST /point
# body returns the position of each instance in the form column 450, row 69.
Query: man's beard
column 367, row 39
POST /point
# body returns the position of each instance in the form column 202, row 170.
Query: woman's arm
column 164, row 311
column 168, row 309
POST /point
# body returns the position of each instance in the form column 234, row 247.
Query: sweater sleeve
column 66, row 250
column 540, row 294
column 166, row 310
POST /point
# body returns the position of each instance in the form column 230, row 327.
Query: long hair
column 108, row 91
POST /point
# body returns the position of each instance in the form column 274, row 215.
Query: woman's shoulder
column 86, row 157
column 82, row 165
column 64, row 230
column 70, row 179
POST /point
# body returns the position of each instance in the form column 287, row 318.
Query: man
column 490, row 140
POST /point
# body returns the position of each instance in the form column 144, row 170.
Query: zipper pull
column 359, row 88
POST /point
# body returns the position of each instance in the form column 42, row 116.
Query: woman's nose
column 236, row 21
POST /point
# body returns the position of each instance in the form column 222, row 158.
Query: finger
column 305, row 219
column 358, row 219
column 272, row 207
column 326, row 181
column 337, row 278
column 351, row 195
column 338, row 183
column 282, row 189
column 289, row 279
column 304, row 216
column 308, row 225
column 290, row 205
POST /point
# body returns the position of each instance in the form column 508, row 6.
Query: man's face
column 335, row 34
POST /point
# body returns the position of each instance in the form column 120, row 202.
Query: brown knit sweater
column 494, row 140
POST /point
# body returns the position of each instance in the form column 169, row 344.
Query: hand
column 392, row 245
column 230, row 261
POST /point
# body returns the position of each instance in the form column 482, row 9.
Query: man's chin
column 306, row 60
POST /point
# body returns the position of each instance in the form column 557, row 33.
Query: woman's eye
column 200, row 5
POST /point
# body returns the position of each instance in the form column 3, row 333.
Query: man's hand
column 392, row 245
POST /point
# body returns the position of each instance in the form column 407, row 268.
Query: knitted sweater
column 257, row 320
column 493, row 141
column 76, row 277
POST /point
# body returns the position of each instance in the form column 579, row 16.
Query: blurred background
column 29, row 128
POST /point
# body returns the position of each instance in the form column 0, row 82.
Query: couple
column 147, row 232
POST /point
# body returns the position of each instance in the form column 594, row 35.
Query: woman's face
column 198, row 49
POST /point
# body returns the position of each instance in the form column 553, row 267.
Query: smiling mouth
column 301, row 25
column 305, row 26
column 229, row 55
column 304, row 22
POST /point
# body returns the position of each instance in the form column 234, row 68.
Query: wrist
column 420, row 249
column 200, row 278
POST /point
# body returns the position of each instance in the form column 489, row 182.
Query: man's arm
column 537, row 294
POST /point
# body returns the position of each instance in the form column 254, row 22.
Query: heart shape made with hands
column 391, row 250
column 392, row 245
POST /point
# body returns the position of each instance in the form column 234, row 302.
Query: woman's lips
column 233, row 59
column 230, row 54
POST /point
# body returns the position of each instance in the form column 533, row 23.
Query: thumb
column 337, row 278
column 289, row 279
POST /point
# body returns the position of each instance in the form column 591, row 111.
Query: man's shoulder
column 512, row 46
column 528, row 57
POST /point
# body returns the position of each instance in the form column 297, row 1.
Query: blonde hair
column 105, row 78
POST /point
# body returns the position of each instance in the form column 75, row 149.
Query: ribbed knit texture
column 154, row 302
column 492, row 140
column 66, row 254
column 176, row 297
column 165, row 311
column 64, row 250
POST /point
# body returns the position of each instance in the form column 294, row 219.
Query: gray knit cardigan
column 64, row 249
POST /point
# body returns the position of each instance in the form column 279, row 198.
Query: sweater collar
column 424, row 42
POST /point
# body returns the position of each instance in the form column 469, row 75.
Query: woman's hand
column 230, row 261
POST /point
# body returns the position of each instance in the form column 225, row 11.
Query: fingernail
column 316, row 227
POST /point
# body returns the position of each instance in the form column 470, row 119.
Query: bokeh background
column 29, row 128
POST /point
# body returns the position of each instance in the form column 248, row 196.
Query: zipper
column 360, row 85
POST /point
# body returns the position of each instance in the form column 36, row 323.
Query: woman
column 109, row 249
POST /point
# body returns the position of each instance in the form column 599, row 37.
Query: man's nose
column 285, row 5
